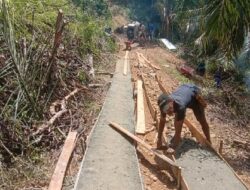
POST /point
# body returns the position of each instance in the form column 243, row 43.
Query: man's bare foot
column 170, row 151
column 174, row 143
column 162, row 148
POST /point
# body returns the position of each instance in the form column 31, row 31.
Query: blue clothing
column 217, row 78
column 184, row 97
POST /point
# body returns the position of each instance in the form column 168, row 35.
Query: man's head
column 166, row 104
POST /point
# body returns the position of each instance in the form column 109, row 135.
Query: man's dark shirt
column 184, row 97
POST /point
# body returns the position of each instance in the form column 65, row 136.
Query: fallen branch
column 96, row 85
column 104, row 73
column 237, row 133
column 9, row 152
column 242, row 144
column 57, row 114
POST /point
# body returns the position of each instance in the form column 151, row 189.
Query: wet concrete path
column 203, row 169
column 111, row 161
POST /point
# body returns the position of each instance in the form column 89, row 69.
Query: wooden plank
column 61, row 166
column 144, row 144
column 141, row 62
column 181, row 182
column 125, row 68
column 150, row 105
column 150, row 64
column 173, row 165
column 200, row 138
column 161, row 86
column 140, row 124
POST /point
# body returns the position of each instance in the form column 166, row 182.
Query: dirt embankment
column 222, row 128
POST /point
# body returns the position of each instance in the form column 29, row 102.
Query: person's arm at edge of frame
column 160, row 129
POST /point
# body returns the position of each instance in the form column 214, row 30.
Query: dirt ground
column 221, row 121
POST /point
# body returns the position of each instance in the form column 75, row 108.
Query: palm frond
column 228, row 23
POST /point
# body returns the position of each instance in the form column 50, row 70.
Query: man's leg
column 199, row 113
column 177, row 136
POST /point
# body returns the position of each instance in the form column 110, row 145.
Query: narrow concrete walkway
column 203, row 169
column 111, row 162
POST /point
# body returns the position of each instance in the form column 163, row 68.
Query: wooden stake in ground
column 140, row 124
column 61, row 166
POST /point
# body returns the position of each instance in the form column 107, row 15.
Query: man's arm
column 160, row 129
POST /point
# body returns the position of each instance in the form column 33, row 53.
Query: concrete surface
column 204, row 170
column 111, row 162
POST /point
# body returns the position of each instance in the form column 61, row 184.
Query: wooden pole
column 173, row 165
column 140, row 141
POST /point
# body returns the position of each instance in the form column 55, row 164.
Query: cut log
column 61, row 166
column 140, row 124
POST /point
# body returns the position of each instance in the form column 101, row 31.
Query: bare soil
column 223, row 123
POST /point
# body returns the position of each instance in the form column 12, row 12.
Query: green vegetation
column 38, row 68
column 41, row 61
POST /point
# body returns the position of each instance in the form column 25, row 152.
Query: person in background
column 201, row 68
column 217, row 77
column 151, row 31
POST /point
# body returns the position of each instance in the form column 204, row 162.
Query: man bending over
column 186, row 96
